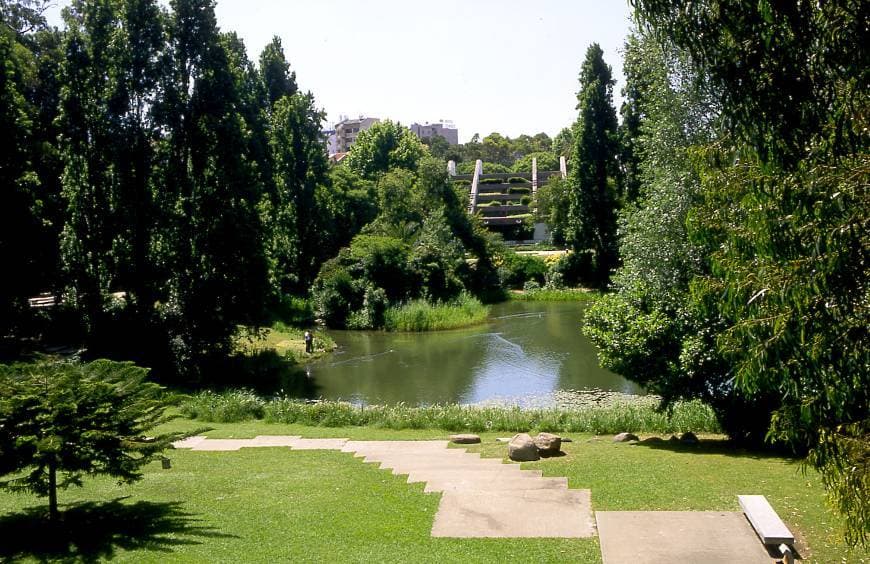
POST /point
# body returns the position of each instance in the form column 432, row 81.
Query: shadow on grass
column 93, row 531
column 724, row 447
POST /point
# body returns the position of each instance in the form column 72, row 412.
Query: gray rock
column 673, row 439
column 548, row 444
column 522, row 448
column 688, row 438
column 465, row 439
column 624, row 437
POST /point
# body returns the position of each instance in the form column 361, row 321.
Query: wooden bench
column 767, row 524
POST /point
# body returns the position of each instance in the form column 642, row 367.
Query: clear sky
column 488, row 65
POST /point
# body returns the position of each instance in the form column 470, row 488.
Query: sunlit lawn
column 275, row 504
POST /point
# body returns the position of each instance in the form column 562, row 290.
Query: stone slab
column 494, row 485
column 318, row 444
column 765, row 521
column 481, row 474
column 273, row 440
column 666, row 537
column 393, row 446
column 525, row 514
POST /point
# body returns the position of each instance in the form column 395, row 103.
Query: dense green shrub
column 491, row 181
column 517, row 269
column 573, row 269
column 335, row 294
column 526, row 201
column 519, row 190
column 518, row 180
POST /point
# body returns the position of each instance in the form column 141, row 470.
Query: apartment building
column 445, row 129
column 346, row 131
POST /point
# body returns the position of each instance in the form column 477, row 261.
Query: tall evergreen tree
column 89, row 179
column 279, row 80
column 219, row 270
column 300, row 165
column 19, row 216
column 592, row 213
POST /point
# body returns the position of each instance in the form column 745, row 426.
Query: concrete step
column 446, row 474
column 394, row 446
column 495, row 484
column 514, row 514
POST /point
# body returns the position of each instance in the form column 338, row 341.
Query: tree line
column 158, row 181
column 739, row 274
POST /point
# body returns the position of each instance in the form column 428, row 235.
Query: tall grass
column 639, row 416
column 547, row 295
column 223, row 407
column 420, row 315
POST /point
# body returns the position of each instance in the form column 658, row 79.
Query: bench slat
column 765, row 521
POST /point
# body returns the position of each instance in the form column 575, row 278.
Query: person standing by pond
column 309, row 342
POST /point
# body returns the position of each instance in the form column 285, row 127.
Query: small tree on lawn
column 61, row 421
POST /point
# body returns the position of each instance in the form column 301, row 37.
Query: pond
column 525, row 353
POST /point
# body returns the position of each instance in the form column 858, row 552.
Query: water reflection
column 526, row 349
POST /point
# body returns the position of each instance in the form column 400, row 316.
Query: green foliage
column 613, row 417
column 786, row 205
column 422, row 315
column 275, row 72
column 60, row 422
column 516, row 269
column 553, row 204
column 546, row 294
column 563, row 144
column 546, row 161
column 592, row 198
column 224, row 407
column 386, row 145
column 299, row 167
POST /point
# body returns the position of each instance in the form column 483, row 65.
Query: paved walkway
column 481, row 497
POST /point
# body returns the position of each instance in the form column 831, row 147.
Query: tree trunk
column 52, row 492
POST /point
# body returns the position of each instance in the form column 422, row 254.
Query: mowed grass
column 275, row 504
column 264, row 505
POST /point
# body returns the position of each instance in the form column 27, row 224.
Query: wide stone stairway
column 484, row 497
column 480, row 497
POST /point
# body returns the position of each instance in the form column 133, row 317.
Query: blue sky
column 509, row 66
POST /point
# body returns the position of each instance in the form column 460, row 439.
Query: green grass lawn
column 274, row 504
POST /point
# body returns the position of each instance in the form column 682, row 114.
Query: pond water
column 525, row 353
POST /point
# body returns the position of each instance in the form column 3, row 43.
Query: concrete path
column 665, row 537
column 481, row 497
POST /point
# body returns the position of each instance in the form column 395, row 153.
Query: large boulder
column 548, row 444
column 624, row 437
column 465, row 439
column 522, row 448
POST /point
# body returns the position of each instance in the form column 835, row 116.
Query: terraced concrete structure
column 498, row 197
